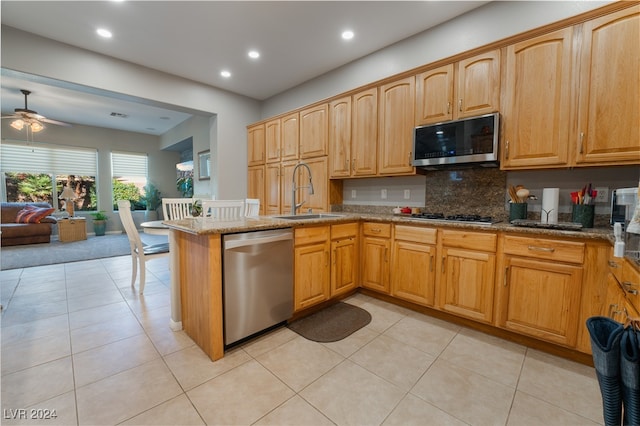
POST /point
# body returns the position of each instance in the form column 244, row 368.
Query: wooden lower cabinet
column 413, row 264
column 467, row 274
column 344, row 258
column 375, row 256
column 311, row 266
column 541, row 294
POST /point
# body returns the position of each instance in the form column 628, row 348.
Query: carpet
column 331, row 324
column 93, row 247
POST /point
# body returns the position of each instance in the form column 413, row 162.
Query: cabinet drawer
column 316, row 234
column 344, row 230
column 470, row 240
column 377, row 229
column 540, row 248
column 631, row 283
column 416, row 234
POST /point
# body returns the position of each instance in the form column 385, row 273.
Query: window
column 129, row 177
column 38, row 172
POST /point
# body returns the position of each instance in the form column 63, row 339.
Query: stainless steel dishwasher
column 257, row 281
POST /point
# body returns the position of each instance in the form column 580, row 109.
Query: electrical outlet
column 353, row 193
column 383, row 194
column 407, row 194
column 602, row 196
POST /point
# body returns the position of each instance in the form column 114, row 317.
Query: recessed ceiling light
column 102, row 32
column 225, row 74
column 347, row 35
column 254, row 54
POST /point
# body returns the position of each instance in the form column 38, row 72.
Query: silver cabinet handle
column 506, row 150
column 613, row 264
column 581, row 142
column 506, row 276
column 460, row 105
column 545, row 249
column 630, row 288
column 448, row 108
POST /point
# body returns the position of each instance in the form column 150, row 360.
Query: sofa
column 26, row 223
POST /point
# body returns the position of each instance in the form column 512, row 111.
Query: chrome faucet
column 295, row 206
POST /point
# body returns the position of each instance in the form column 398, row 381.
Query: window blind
column 128, row 164
column 48, row 158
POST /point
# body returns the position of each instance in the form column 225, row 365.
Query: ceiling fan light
column 17, row 124
column 36, row 127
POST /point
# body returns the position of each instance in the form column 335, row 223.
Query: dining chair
column 251, row 207
column 177, row 208
column 140, row 252
column 223, row 209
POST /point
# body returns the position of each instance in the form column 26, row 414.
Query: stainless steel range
column 456, row 218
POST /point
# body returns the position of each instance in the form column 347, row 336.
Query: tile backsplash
column 482, row 191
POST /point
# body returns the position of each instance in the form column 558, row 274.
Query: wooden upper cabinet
column 272, row 140
column 395, row 123
column 255, row 145
column 477, row 90
column 465, row 89
column 364, row 133
column 340, row 137
column 353, row 135
column 608, row 109
column 314, row 131
column 537, row 110
column 434, row 89
column 272, row 189
column 290, row 137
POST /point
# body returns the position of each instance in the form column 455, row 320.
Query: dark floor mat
column 332, row 324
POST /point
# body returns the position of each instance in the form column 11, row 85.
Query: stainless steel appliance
column 623, row 204
column 465, row 141
column 257, row 281
column 459, row 218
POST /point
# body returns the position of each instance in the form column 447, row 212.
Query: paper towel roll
column 549, row 213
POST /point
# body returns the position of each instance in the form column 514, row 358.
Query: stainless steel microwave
column 468, row 141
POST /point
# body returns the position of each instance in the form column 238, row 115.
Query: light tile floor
column 78, row 340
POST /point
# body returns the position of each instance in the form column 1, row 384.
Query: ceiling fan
column 25, row 116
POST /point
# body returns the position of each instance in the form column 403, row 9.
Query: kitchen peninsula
column 482, row 276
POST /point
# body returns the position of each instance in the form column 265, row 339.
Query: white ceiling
column 298, row 41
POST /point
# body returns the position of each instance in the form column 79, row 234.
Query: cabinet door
column 340, row 138
column 396, row 123
column 255, row 145
column 468, row 283
column 256, row 185
column 311, row 275
column 290, row 137
column 478, row 85
column 413, row 272
column 344, row 264
column 272, row 140
column 537, row 110
column 286, row 186
column 314, row 131
column 375, row 263
column 272, row 189
column 364, row 142
column 543, row 299
column 434, row 95
column 319, row 200
column 609, row 110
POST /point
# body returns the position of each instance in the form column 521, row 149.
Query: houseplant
column 99, row 222
column 152, row 200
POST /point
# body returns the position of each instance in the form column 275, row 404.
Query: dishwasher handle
column 255, row 241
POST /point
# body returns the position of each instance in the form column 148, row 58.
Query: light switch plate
column 353, row 193
column 383, row 194
column 407, row 194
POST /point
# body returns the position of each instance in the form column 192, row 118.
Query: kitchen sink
column 308, row 216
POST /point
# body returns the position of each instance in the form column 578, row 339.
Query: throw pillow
column 32, row 214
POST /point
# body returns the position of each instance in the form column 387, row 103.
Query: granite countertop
column 203, row 226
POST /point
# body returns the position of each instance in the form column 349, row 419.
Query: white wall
column 492, row 22
column 32, row 54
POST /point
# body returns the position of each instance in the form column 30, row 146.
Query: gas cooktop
column 460, row 218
